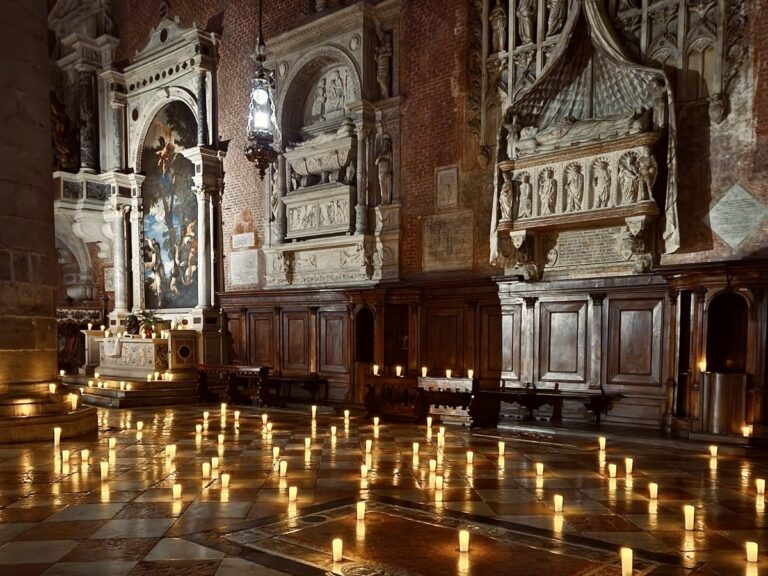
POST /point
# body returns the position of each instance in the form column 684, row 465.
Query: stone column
column 527, row 344
column 137, row 262
column 596, row 341
column 284, row 169
column 213, row 200
column 361, row 210
column 203, row 278
column 88, row 137
column 202, row 108
column 120, row 273
column 118, row 109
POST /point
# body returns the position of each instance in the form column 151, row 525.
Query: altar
column 171, row 358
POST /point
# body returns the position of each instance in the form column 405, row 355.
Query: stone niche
column 333, row 195
column 587, row 165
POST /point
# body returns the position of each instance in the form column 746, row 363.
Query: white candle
column 283, row 468
column 470, row 456
column 221, row 439
column 139, row 426
column 432, row 464
column 439, row 482
column 363, row 471
column 56, row 436
column 84, row 455
column 628, row 465
column 170, row 450
column 96, row 375
column 106, row 333
column 398, row 370
column 376, row 420
column 307, row 443
column 745, row 431
column 275, row 453
column 206, row 414
column 448, row 373
column 104, row 466
column 52, row 388
column 626, row 561
column 102, row 328
column 470, row 374
column 198, row 428
column 368, row 446
column 206, row 469
column 112, row 443
column 338, row 547
column 415, row 448
column 713, row 451
column 539, row 469
column 128, row 387
column 61, row 373
column 122, row 384
column 423, row 371
column 293, row 492
column 177, row 491
column 333, row 430
column 752, row 551
column 346, row 414
column 314, row 412
column 653, row 490
column 361, row 510
column 223, row 408
column 558, row 503
column 463, row 540
column 688, row 510
column 237, row 415
column 225, row 480
column 65, row 455
column 501, row 448
column 760, row 485
column 157, row 374
column 270, row 426
column 612, row 470
column 73, row 402
column 429, row 421
column 214, row 463
column 601, row 442
column 375, row 369
column 90, row 325
column 264, row 418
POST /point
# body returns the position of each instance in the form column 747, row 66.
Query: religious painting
column 170, row 210
column 447, row 184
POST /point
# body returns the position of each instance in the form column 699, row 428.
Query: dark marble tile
column 111, row 549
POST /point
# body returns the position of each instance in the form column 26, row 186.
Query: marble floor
column 58, row 518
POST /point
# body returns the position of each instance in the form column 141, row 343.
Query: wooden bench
column 276, row 390
column 486, row 404
column 239, row 384
column 395, row 397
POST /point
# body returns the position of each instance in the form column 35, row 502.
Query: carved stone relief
column 331, row 93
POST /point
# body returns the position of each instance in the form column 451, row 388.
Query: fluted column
column 203, row 278
column 118, row 110
column 120, row 274
column 285, row 170
column 202, row 108
column 361, row 210
column 88, row 152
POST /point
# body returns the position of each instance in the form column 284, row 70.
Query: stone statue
column 629, row 179
column 318, row 105
column 602, row 184
column 383, row 150
column 383, row 62
column 335, row 94
column 513, row 136
column 526, row 191
column 498, row 21
column 569, row 131
column 506, row 197
column 64, row 133
column 526, row 15
column 556, row 17
column 646, row 166
column 574, row 185
column 547, row 192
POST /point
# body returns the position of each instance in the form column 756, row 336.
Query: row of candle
column 424, row 372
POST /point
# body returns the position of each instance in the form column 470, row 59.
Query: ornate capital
column 530, row 301
column 598, row 298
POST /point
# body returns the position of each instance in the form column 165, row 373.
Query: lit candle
column 463, row 540
column 170, row 450
column 702, row 365
column 65, row 455
column 206, row 469
column 368, row 446
column 626, row 562
column 398, row 370
column 237, row 415
column 73, row 402
column 333, row 430
column 539, row 469
column 429, row 421
column 628, row 464
column 206, row 414
column 293, row 492
column 198, row 428
column 215, row 463
column 269, row 426
column 432, row 464
column 653, row 490
column 283, row 468
column 601, row 442
column 438, row 482
column 104, row 466
column 713, row 451
column 415, row 448
column 423, row 371
column 307, row 443
column 90, row 325
column 470, row 457
column 112, row 443
column 448, row 373
column 106, row 333
column 688, row 510
column 745, row 431
column 264, row 418
column 102, row 328
column 612, row 470
column 139, row 426
column 361, row 510
column 157, row 374
column 501, row 448
column 128, row 387
column 752, row 551
column 96, row 374
column 177, row 491
column 221, row 439
column 375, row 369
column 558, row 503
column 225, row 480
column 84, row 455
column 314, row 412
column 338, row 547
column 376, row 420
column 52, row 388
column 760, row 485
column 363, row 471
column 56, row 436
column 275, row 453
column 122, row 384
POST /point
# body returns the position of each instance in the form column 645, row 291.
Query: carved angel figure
column 556, row 17
column 547, row 192
column 318, row 105
column 629, row 179
column 526, row 14
column 602, row 184
column 648, row 170
column 506, row 197
column 574, row 185
column 498, row 22
column 524, row 205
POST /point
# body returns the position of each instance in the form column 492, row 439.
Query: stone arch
column 160, row 98
column 300, row 80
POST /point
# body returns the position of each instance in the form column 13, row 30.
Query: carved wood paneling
column 511, row 339
column 491, row 345
column 563, row 341
column 237, row 339
column 333, row 344
column 261, row 330
column 445, row 338
column 635, row 333
column 296, row 341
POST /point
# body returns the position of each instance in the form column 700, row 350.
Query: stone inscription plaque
column 736, row 216
column 447, row 241
column 585, row 247
column 244, row 268
column 243, row 240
